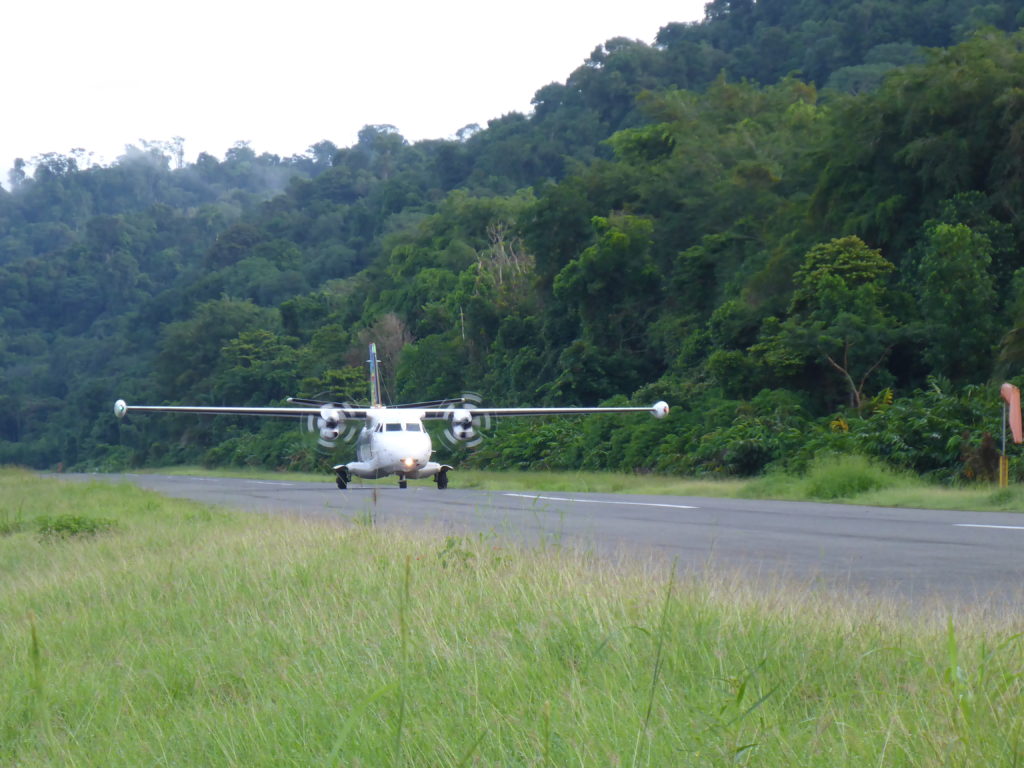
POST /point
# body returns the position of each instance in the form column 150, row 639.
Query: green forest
column 799, row 222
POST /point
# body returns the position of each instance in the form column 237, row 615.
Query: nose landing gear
column 342, row 477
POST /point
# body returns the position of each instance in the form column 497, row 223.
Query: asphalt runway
column 928, row 555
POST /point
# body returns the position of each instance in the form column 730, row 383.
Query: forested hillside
column 799, row 223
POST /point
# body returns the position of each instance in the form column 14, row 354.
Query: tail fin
column 376, row 400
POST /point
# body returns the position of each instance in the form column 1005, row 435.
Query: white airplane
column 392, row 440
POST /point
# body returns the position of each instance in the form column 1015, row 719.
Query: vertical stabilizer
column 376, row 401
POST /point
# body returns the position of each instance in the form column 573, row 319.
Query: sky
column 284, row 75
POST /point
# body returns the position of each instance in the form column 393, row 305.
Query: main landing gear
column 441, row 478
column 342, row 477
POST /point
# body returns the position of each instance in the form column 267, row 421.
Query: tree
column 432, row 368
column 613, row 285
column 391, row 336
column 190, row 350
column 256, row 368
column 16, row 176
column 838, row 315
column 957, row 300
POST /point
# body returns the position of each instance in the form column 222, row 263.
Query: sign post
column 1011, row 414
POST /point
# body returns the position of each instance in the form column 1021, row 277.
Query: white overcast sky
column 101, row 74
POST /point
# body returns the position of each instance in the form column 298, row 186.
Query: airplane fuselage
column 393, row 441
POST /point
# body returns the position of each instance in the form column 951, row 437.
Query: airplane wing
column 312, row 408
column 659, row 410
column 121, row 408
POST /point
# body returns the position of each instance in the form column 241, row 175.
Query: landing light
column 409, row 462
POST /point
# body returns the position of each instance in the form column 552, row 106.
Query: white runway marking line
column 980, row 525
column 601, row 501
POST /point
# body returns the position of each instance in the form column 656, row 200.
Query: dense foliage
column 791, row 220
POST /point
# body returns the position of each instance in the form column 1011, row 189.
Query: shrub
column 10, row 526
column 67, row 526
column 840, row 477
column 762, row 431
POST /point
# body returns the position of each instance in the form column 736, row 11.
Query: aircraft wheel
column 442, row 480
column 403, row 484
column 342, row 485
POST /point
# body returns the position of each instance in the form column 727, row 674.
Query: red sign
column 1011, row 395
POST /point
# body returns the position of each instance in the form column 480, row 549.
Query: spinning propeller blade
column 463, row 425
column 332, row 423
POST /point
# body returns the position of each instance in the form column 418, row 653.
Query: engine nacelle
column 330, row 417
column 462, row 425
column 328, row 423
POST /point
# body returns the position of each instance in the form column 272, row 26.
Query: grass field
column 139, row 630
column 846, row 479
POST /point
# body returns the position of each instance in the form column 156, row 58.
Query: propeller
column 463, row 426
column 330, row 425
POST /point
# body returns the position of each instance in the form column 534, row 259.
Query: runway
column 966, row 557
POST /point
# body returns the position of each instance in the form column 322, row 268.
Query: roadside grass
column 504, row 480
column 842, row 479
column 857, row 480
column 595, row 482
column 249, row 473
column 190, row 635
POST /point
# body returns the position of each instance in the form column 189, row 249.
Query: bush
column 763, row 431
column 11, row 525
column 933, row 432
column 292, row 450
column 841, row 477
column 67, row 526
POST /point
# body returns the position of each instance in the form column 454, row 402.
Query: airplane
column 392, row 440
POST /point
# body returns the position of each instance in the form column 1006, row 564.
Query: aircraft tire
column 403, row 484
column 342, row 485
column 442, row 480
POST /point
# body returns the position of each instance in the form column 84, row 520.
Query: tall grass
column 187, row 635
column 832, row 478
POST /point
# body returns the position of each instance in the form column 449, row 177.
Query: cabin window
column 379, row 428
column 394, row 427
column 413, row 427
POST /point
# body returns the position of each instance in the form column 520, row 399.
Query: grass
column 595, row 482
column 189, row 635
column 249, row 473
column 858, row 480
column 505, row 480
column 843, row 479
